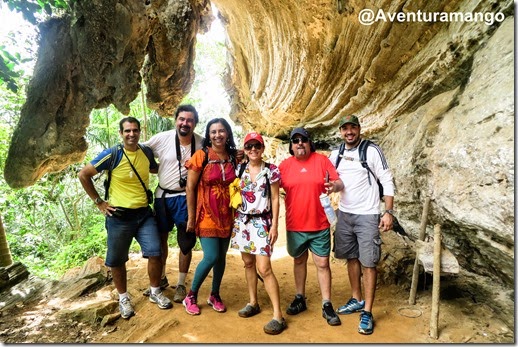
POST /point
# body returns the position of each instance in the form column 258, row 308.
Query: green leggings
column 214, row 257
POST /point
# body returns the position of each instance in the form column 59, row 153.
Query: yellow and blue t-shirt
column 125, row 188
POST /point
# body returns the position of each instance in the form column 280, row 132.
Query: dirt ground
column 460, row 320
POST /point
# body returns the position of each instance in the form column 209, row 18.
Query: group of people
column 195, row 173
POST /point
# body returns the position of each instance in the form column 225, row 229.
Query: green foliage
column 30, row 9
column 53, row 225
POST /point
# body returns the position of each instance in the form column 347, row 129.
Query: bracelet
column 391, row 212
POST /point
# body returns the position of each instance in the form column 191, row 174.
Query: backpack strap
column 340, row 154
column 111, row 165
column 148, row 152
column 242, row 168
column 362, row 150
column 204, row 163
column 268, row 189
column 363, row 159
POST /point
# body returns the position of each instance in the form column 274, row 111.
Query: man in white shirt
column 173, row 148
column 357, row 235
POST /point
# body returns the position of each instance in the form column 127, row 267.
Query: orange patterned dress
column 214, row 216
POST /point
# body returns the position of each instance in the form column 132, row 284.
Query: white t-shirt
column 358, row 196
column 164, row 148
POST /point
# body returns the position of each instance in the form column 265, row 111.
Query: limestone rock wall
column 98, row 56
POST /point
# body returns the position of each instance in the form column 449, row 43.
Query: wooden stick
column 422, row 233
column 436, row 288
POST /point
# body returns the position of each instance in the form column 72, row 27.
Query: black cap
column 186, row 241
column 299, row 131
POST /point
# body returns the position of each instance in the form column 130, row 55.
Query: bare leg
column 154, row 269
column 184, row 262
column 119, row 278
column 270, row 284
column 300, row 272
column 251, row 276
column 354, row 270
column 323, row 276
column 164, row 250
column 369, row 284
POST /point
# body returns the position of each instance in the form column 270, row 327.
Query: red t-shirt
column 303, row 182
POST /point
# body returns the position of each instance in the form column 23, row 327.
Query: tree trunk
column 5, row 253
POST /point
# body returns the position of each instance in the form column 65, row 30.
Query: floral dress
column 253, row 217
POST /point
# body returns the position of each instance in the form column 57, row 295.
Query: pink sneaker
column 190, row 305
column 215, row 301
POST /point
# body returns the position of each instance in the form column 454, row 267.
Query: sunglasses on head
column 249, row 146
column 298, row 140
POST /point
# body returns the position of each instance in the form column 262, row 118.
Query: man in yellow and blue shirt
column 127, row 211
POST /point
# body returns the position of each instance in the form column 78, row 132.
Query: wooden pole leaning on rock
column 436, row 287
column 422, row 233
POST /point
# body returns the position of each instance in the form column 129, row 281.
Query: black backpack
column 112, row 162
column 362, row 150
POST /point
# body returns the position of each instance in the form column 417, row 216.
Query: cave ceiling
column 290, row 63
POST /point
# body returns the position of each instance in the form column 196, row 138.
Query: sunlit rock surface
column 437, row 96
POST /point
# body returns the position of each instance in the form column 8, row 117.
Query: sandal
column 275, row 327
column 249, row 311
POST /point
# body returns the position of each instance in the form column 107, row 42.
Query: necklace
column 134, row 161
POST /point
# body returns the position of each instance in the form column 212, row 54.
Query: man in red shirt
column 303, row 178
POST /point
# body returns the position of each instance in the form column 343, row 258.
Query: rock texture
column 437, row 96
column 95, row 57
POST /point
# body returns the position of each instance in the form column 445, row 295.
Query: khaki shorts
column 318, row 242
column 357, row 236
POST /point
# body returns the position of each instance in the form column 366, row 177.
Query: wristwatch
column 391, row 212
column 98, row 201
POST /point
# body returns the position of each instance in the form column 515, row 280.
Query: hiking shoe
column 164, row 283
column 181, row 293
column 249, row 311
column 190, row 305
column 366, row 326
column 351, row 306
column 329, row 314
column 126, row 308
column 161, row 300
column 217, row 304
column 297, row 306
column 274, row 327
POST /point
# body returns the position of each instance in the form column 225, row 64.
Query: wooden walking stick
column 422, row 233
column 436, row 287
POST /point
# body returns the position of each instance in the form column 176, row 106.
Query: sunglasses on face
column 249, row 146
column 298, row 140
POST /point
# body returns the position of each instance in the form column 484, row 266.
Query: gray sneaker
column 164, row 283
column 126, row 308
column 181, row 293
column 161, row 300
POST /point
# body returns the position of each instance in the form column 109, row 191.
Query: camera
column 183, row 182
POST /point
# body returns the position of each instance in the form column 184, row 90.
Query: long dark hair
column 230, row 145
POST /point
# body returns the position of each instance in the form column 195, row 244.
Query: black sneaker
column 297, row 306
column 330, row 315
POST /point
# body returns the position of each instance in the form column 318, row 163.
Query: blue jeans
column 214, row 257
column 139, row 224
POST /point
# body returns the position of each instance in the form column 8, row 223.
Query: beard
column 184, row 131
column 300, row 152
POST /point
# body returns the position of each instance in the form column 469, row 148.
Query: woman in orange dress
column 210, row 172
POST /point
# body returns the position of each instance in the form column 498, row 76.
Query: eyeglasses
column 249, row 146
column 298, row 140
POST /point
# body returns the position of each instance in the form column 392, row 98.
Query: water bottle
column 330, row 212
